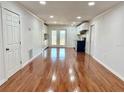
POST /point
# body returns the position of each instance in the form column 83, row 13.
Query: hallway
column 62, row 69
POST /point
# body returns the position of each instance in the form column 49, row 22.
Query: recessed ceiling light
column 51, row 16
column 78, row 17
column 55, row 22
column 91, row 3
column 74, row 23
column 43, row 2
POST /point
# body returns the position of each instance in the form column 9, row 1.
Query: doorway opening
column 92, row 39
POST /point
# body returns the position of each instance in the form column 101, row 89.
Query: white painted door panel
column 1, row 58
column 2, row 66
column 11, row 33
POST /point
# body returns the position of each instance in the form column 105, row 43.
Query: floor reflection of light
column 70, row 71
column 50, row 90
column 54, row 77
column 62, row 54
column 72, row 78
column 76, row 89
column 54, row 54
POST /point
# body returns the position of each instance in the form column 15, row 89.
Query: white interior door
column 2, row 65
column 11, row 31
column 2, row 70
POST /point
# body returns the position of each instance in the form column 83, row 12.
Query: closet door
column 2, row 65
column 11, row 35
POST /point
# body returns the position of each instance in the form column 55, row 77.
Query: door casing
column 92, row 35
column 58, row 38
column 4, row 44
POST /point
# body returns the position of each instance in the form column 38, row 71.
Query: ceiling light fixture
column 55, row 22
column 78, row 17
column 43, row 2
column 51, row 16
column 74, row 23
column 91, row 3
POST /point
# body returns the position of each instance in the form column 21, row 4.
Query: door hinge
column 20, row 62
column 19, row 22
column 20, row 42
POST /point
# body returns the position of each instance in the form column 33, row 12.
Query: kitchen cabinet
column 83, row 26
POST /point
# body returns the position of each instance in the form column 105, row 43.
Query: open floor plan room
column 62, row 69
column 61, row 46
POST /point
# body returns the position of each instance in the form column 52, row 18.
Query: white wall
column 31, row 32
column 71, row 34
column 109, row 39
column 27, row 22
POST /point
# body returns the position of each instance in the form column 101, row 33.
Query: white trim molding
column 111, row 70
column 30, row 60
column 3, row 81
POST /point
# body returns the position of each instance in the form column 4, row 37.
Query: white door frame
column 91, row 43
column 4, row 47
column 3, row 79
column 58, row 36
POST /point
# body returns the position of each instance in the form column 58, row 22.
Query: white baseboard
column 111, row 70
column 70, row 46
column 63, row 46
column 2, row 81
column 30, row 60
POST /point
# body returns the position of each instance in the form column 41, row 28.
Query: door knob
column 7, row 49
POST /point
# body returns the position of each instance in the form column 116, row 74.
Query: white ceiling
column 65, row 12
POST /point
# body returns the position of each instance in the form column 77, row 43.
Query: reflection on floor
column 60, row 54
column 62, row 69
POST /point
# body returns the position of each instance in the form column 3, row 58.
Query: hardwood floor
column 62, row 69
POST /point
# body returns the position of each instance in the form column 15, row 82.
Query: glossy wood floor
column 62, row 69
